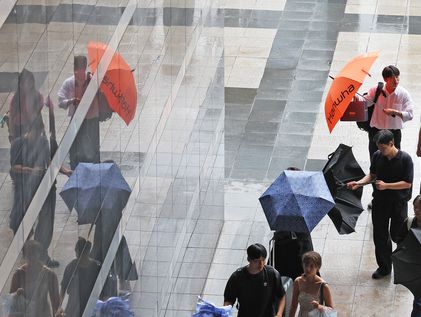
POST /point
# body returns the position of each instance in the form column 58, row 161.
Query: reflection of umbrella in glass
column 113, row 307
column 341, row 168
column 95, row 187
column 407, row 262
column 296, row 201
column 118, row 85
column 345, row 85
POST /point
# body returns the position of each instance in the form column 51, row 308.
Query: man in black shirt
column 257, row 287
column 79, row 279
column 393, row 172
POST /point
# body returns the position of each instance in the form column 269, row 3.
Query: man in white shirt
column 85, row 147
column 394, row 106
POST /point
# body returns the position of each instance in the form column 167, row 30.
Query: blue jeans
column 416, row 308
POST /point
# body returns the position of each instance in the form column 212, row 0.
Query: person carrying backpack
column 256, row 287
column 392, row 107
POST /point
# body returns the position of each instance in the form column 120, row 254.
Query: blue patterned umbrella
column 296, row 201
column 95, row 187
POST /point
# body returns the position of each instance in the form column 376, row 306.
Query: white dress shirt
column 67, row 92
column 399, row 100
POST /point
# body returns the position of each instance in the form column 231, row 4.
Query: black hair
column 32, row 250
column 390, row 71
column 26, row 76
column 80, row 62
column 384, row 137
column 417, row 199
column 256, row 251
column 82, row 247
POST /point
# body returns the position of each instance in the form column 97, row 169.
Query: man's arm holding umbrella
column 380, row 185
column 367, row 179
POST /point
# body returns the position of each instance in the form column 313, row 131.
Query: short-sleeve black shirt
column 399, row 168
column 78, row 281
column 255, row 293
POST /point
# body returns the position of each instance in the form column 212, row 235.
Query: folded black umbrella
column 341, row 168
column 406, row 261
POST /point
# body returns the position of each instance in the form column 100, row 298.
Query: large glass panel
column 111, row 153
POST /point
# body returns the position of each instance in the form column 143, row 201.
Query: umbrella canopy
column 208, row 309
column 345, row 86
column 118, row 85
column 95, row 187
column 296, row 201
column 341, row 168
column 406, row 261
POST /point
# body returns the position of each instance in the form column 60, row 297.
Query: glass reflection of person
column 29, row 160
column 79, row 279
column 38, row 282
column 25, row 106
column 85, row 147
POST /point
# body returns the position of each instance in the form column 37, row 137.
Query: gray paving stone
column 269, row 105
column 270, row 116
column 198, row 270
column 240, row 95
column 280, row 63
column 252, row 162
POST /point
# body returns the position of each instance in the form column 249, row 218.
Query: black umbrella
column 407, row 262
column 341, row 168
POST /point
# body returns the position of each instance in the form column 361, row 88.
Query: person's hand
column 60, row 312
column 75, row 101
column 380, row 185
column 66, row 171
column 316, row 305
column 352, row 185
column 391, row 112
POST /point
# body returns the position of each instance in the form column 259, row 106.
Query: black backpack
column 365, row 125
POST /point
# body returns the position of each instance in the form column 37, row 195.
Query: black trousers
column 85, row 147
column 372, row 146
column 388, row 218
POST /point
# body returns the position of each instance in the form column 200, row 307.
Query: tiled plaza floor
column 196, row 165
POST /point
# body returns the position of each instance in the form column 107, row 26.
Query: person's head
column 32, row 251
column 256, row 256
column 312, row 262
column 385, row 142
column 83, row 247
column 26, row 80
column 80, row 65
column 391, row 76
column 417, row 206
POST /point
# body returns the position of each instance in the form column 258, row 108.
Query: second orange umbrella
column 346, row 85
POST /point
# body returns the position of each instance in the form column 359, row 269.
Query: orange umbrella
column 118, row 84
column 346, row 85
